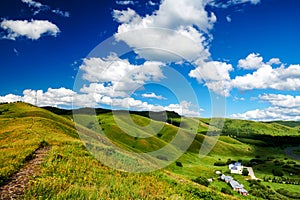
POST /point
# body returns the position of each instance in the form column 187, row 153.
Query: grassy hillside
column 70, row 171
column 245, row 127
column 288, row 123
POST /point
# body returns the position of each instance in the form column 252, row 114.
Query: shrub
column 291, row 162
column 295, row 165
column 226, row 191
column 245, row 172
column 277, row 172
column 278, row 162
column 159, row 135
column 179, row 164
column 286, row 166
column 284, row 192
column 202, row 181
column 256, row 161
column 229, row 161
column 219, row 163
column 270, row 158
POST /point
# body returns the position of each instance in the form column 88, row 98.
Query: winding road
column 289, row 152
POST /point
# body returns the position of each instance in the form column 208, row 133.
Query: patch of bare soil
column 14, row 188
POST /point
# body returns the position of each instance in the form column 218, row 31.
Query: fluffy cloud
column 52, row 97
column 10, row 98
column 275, row 61
column 125, row 16
column 283, row 107
column 253, row 61
column 116, row 77
column 211, row 71
column 266, row 77
column 168, row 34
column 119, row 73
column 152, row 95
column 279, row 100
column 33, row 29
column 215, row 75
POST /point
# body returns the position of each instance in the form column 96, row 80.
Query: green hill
column 69, row 171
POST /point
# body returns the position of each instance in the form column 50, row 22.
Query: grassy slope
column 69, row 171
column 24, row 127
column 245, row 127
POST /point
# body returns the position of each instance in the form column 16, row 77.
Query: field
column 71, row 171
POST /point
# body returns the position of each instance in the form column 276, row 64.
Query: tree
column 245, row 172
column 277, row 172
column 179, row 164
column 226, row 191
column 201, row 181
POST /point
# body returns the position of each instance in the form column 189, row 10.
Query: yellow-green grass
column 276, row 186
column 246, row 127
column 69, row 171
column 21, row 133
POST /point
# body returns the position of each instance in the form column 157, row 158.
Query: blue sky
column 170, row 54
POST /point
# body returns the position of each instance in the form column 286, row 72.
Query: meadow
column 71, row 170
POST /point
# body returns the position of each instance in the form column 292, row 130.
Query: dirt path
column 15, row 187
column 251, row 173
column 289, row 152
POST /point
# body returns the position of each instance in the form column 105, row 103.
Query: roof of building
column 234, row 166
column 235, row 184
column 224, row 177
column 243, row 190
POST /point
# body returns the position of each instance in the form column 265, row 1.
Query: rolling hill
column 71, row 170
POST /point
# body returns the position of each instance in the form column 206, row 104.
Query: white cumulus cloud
column 252, row 61
column 115, row 77
column 33, row 29
column 215, row 75
column 266, row 77
column 283, row 107
column 169, row 33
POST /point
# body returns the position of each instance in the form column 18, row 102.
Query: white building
column 236, row 168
